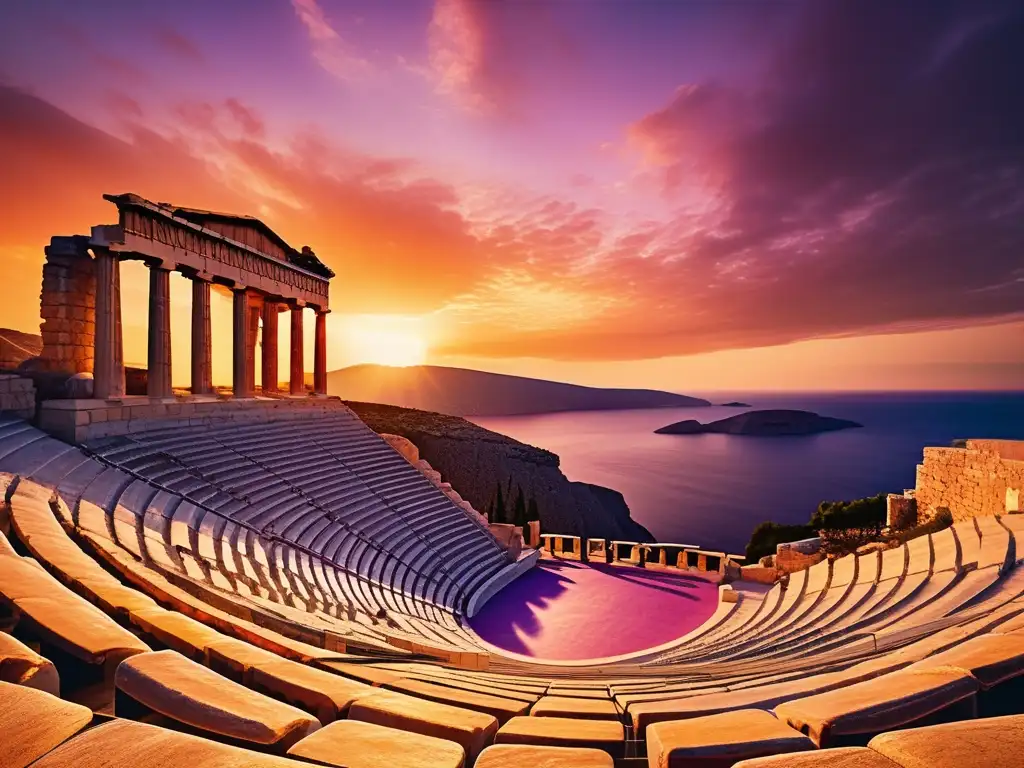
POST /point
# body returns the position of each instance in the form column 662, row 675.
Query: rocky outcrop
column 774, row 423
column 483, row 465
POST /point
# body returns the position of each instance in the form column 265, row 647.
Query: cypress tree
column 499, row 508
column 531, row 512
column 520, row 508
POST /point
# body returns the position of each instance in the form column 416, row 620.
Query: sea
column 713, row 490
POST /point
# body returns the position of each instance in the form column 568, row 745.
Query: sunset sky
column 684, row 195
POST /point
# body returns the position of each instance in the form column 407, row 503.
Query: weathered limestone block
column 404, row 446
column 759, row 574
column 798, row 555
column 472, row 730
column 356, row 744
column 34, row 722
column 900, row 512
column 17, row 396
column 189, row 693
column 79, row 386
column 517, row 755
column 510, row 537
column 721, row 739
column 20, row 665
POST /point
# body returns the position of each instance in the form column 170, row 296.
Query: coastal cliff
column 464, row 392
column 481, row 465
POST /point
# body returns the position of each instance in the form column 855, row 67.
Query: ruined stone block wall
column 971, row 482
column 791, row 561
column 68, row 307
column 900, row 512
column 17, row 396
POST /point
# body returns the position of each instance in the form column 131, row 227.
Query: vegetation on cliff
column 847, row 524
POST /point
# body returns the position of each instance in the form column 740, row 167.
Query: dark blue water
column 712, row 490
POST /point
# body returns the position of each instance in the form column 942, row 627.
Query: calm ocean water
column 712, row 490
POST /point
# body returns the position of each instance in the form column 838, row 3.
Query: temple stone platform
column 568, row 611
column 77, row 421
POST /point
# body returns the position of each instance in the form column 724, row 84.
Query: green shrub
column 768, row 535
column 943, row 519
column 865, row 514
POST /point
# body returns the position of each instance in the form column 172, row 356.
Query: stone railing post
column 202, row 341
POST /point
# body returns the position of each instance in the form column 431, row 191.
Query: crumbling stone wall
column 68, row 307
column 798, row 555
column 985, row 478
column 900, row 511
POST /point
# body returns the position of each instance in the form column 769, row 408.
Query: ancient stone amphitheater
column 266, row 582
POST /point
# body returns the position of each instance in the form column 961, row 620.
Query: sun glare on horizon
column 392, row 340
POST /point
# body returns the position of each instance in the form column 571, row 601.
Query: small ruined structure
column 975, row 479
column 81, row 297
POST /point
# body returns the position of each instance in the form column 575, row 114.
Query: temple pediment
column 241, row 229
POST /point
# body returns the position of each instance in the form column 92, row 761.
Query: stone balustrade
column 638, row 554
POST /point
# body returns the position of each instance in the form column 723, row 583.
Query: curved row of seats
column 235, row 650
column 337, row 490
column 335, row 571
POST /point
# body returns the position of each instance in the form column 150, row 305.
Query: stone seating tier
column 841, row 653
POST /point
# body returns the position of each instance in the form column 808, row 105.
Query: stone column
column 240, row 329
column 252, row 332
column 158, row 375
column 202, row 346
column 108, row 356
column 320, row 353
column 296, row 384
column 270, row 378
column 67, row 304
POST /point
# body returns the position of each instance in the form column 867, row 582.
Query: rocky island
column 736, row 404
column 769, row 423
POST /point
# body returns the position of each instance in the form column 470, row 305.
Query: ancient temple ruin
column 81, row 297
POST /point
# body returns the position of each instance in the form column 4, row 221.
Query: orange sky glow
column 651, row 198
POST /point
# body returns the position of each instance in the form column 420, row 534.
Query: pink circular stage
column 566, row 611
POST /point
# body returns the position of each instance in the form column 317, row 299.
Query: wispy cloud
column 180, row 45
column 456, row 40
column 330, row 49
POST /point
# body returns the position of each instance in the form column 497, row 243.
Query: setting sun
column 385, row 340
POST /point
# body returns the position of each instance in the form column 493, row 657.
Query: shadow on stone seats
column 640, row 580
column 514, row 610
